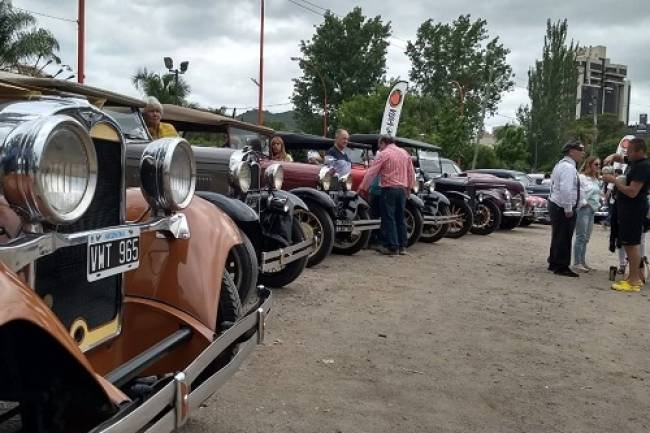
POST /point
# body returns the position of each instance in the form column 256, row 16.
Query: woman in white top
column 590, row 194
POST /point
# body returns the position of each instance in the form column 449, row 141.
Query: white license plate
column 343, row 226
column 112, row 252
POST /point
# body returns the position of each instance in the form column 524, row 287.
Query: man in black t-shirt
column 632, row 208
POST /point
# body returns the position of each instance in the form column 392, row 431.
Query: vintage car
column 513, row 199
column 535, row 207
column 116, row 312
column 353, row 223
column 440, row 213
column 231, row 180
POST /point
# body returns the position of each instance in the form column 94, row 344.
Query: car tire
column 230, row 305
column 458, row 206
column 348, row 247
column 433, row 233
column 526, row 221
column 291, row 271
column 487, row 218
column 317, row 221
column 414, row 223
column 509, row 223
column 244, row 269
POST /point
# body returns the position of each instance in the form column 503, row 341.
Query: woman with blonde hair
column 278, row 152
column 589, row 203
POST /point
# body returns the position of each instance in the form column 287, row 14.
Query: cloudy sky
column 220, row 39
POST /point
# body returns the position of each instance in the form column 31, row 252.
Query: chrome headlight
column 50, row 169
column 325, row 178
column 508, row 195
column 168, row 174
column 241, row 176
column 416, row 187
column 430, row 186
column 275, row 176
column 345, row 182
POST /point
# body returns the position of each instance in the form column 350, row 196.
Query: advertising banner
column 393, row 109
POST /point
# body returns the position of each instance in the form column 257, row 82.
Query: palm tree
column 165, row 87
column 24, row 48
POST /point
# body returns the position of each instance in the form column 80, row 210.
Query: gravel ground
column 468, row 335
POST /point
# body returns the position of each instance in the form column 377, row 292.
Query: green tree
column 511, row 148
column 348, row 57
column 164, row 87
column 552, row 88
column 462, row 69
column 24, row 48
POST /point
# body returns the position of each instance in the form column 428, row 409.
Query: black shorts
column 631, row 225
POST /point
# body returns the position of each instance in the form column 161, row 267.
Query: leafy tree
column 552, row 88
column 609, row 128
column 487, row 158
column 511, row 148
column 348, row 57
column 461, row 68
column 164, row 87
column 23, row 48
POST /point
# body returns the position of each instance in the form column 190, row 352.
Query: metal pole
column 81, row 25
column 602, row 86
column 595, row 111
column 260, row 113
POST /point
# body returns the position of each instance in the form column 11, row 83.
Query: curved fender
column 22, row 309
column 414, row 200
column 184, row 273
column 489, row 194
column 318, row 197
column 293, row 199
column 441, row 197
column 362, row 202
column 458, row 194
column 235, row 209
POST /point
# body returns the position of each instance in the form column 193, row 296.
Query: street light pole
column 260, row 95
column 81, row 27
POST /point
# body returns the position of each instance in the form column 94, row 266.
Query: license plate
column 112, row 252
column 343, row 226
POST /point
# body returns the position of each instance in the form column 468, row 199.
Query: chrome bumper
column 172, row 405
column 347, row 226
column 274, row 261
column 513, row 213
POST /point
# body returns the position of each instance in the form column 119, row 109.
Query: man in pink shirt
column 396, row 178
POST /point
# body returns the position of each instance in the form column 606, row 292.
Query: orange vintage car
column 115, row 310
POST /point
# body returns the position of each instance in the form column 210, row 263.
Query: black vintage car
column 230, row 179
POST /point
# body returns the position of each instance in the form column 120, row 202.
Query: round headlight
column 275, row 176
column 345, row 182
column 50, row 169
column 416, row 187
column 241, row 176
column 325, row 178
column 430, row 186
column 168, row 173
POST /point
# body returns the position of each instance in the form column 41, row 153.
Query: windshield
column 130, row 123
column 521, row 177
column 205, row 138
column 450, row 168
column 430, row 161
column 239, row 138
column 357, row 156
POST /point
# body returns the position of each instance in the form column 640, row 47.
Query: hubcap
column 483, row 216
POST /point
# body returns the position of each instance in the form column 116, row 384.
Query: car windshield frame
column 434, row 157
column 131, row 123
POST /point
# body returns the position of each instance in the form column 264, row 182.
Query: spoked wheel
column 316, row 222
column 464, row 218
column 434, row 232
column 352, row 243
column 414, row 224
column 242, row 266
column 487, row 218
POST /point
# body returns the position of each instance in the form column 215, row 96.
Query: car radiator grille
column 62, row 275
column 255, row 176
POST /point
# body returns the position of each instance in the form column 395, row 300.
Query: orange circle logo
column 395, row 98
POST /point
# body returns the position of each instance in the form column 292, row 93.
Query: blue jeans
column 393, row 226
column 584, row 226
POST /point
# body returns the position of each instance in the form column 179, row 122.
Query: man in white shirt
column 563, row 200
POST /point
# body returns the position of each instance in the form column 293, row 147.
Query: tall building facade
column 602, row 85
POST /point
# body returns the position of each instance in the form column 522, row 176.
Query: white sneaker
column 587, row 266
column 581, row 268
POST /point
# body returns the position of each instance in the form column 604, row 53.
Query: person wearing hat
column 631, row 208
column 564, row 198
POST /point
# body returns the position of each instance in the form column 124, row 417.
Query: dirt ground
column 468, row 335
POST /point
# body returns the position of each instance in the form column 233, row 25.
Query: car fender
column 457, row 194
column 488, row 194
column 23, row 311
column 416, row 201
column 183, row 273
column 235, row 209
column 440, row 197
column 319, row 198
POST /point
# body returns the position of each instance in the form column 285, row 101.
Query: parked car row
column 141, row 266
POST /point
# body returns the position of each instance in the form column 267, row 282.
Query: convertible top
column 400, row 141
column 297, row 140
column 52, row 86
column 193, row 119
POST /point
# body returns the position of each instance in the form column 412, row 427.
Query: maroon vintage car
column 513, row 200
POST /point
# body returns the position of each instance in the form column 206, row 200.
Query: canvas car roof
column 400, row 141
column 52, row 86
column 298, row 140
column 193, row 119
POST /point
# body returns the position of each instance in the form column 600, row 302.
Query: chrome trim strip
column 359, row 225
column 26, row 249
column 273, row 261
column 513, row 213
